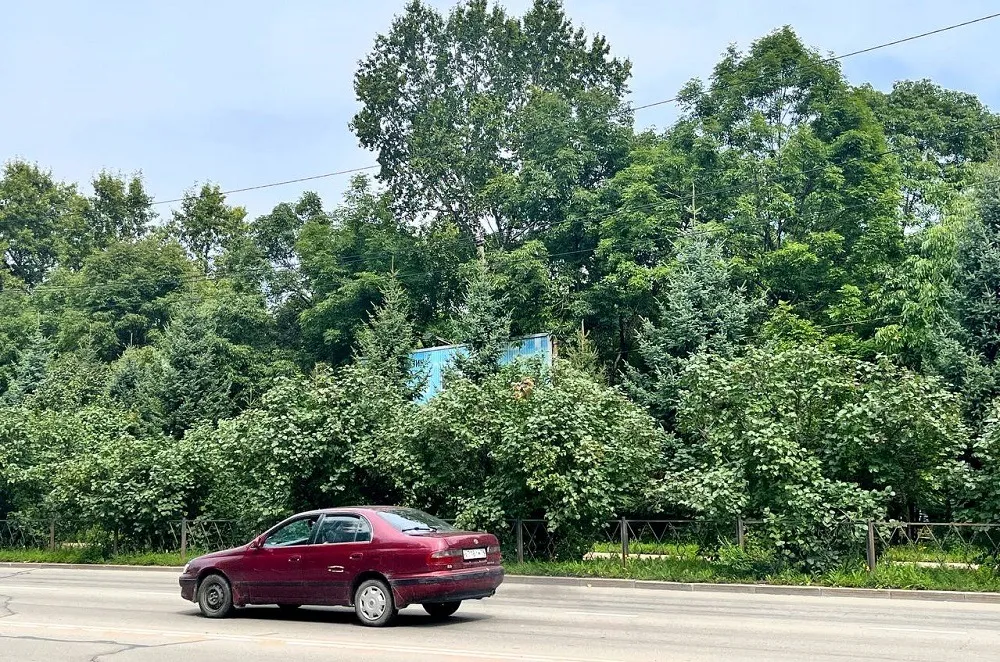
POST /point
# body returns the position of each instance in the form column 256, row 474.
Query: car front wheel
column 441, row 609
column 215, row 597
column 373, row 603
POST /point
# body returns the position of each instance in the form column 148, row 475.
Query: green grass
column 902, row 553
column 88, row 556
column 675, row 549
column 697, row 570
column 668, row 570
column 935, row 554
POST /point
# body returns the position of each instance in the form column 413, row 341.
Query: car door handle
column 335, row 568
column 294, row 559
column 356, row 556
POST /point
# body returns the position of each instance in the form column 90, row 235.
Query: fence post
column 871, row 546
column 52, row 535
column 520, row 541
column 184, row 538
column 624, row 527
column 740, row 533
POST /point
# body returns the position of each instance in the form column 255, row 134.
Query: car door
column 341, row 550
column 275, row 575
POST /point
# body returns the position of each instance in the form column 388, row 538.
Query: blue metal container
column 432, row 362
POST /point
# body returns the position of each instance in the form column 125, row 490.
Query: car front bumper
column 450, row 586
column 188, row 586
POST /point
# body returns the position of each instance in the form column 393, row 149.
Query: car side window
column 298, row 532
column 343, row 528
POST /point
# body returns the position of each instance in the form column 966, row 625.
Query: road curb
column 760, row 589
column 638, row 584
column 89, row 566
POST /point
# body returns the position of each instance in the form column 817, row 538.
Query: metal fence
column 954, row 544
column 175, row 536
column 951, row 544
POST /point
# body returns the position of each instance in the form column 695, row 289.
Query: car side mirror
column 256, row 543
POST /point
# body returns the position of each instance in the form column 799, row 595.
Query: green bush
column 751, row 561
column 557, row 446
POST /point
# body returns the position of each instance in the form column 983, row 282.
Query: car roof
column 337, row 509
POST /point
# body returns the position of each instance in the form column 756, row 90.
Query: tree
column 534, row 292
column 346, row 258
column 37, row 222
column 483, row 326
column 265, row 258
column 20, row 336
column 978, row 258
column 24, row 372
column 489, row 120
column 700, row 311
column 621, row 244
column 119, row 210
column 938, row 135
column 120, row 297
column 60, row 381
column 385, row 343
column 812, row 196
column 198, row 380
column 581, row 355
column 205, row 224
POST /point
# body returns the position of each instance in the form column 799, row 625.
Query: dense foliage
column 782, row 307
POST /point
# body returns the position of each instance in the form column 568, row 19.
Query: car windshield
column 407, row 520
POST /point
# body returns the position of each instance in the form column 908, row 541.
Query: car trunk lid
column 464, row 549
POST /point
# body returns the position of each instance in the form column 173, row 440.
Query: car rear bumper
column 188, row 586
column 449, row 586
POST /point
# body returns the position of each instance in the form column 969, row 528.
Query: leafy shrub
column 557, row 446
column 751, row 561
column 806, row 440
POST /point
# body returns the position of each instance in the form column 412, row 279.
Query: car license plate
column 473, row 554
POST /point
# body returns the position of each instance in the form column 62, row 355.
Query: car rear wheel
column 215, row 597
column 441, row 609
column 373, row 603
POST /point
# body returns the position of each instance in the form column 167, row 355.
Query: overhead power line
column 916, row 36
column 634, row 108
column 869, row 49
column 282, row 183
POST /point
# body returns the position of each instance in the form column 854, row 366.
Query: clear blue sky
column 244, row 93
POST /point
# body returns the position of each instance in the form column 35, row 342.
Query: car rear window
column 407, row 520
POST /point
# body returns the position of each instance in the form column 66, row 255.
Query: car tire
column 215, row 597
column 373, row 603
column 441, row 610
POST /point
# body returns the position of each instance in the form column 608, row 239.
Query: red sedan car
column 376, row 559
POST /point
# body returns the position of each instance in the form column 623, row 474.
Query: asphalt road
column 56, row 615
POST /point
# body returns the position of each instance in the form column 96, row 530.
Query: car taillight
column 444, row 557
column 493, row 549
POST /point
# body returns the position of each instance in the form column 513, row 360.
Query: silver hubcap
column 214, row 597
column 372, row 603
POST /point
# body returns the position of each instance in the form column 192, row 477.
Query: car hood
column 233, row 551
